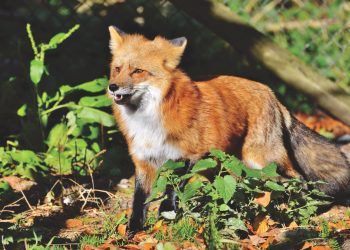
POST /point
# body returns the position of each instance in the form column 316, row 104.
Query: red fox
column 164, row 115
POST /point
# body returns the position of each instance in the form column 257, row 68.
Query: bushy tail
column 320, row 159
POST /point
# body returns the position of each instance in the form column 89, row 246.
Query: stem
column 32, row 41
column 55, row 108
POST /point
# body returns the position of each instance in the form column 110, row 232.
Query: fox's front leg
column 144, row 177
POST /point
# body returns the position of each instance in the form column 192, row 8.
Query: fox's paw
column 168, row 205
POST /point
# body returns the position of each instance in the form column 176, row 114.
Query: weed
column 226, row 205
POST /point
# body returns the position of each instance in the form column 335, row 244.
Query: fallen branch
column 279, row 61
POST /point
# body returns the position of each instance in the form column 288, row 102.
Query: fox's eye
column 117, row 69
column 138, row 71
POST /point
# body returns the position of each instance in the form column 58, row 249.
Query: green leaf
column 274, row 186
column 56, row 39
column 203, row 165
column 224, row 207
column 36, row 70
column 57, row 135
column 94, row 86
column 254, row 173
column 159, row 188
column 218, row 154
column 270, row 170
column 95, row 101
column 172, row 165
column 25, row 156
column 91, row 115
column 191, row 189
column 234, row 165
column 4, row 186
column 22, row 111
column 237, row 224
column 225, row 187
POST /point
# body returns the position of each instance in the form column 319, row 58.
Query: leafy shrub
column 69, row 144
column 229, row 203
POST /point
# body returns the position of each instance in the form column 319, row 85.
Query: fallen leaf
column 306, row 245
column 256, row 240
column 268, row 242
column 321, row 248
column 140, row 236
column 260, row 225
column 148, row 246
column 73, row 223
column 157, row 226
column 18, row 184
column 264, row 199
column 322, row 121
column 293, row 225
column 122, row 229
column 201, row 229
column 88, row 247
column 132, row 247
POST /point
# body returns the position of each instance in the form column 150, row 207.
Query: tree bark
column 281, row 62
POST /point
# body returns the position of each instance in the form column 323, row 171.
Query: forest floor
column 86, row 217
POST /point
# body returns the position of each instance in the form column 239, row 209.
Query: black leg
column 170, row 203
column 139, row 209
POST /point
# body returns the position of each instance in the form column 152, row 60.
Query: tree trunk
column 281, row 62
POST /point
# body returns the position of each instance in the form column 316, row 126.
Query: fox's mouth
column 122, row 99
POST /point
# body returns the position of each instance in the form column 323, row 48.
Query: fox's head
column 141, row 68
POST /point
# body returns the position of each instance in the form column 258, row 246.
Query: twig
column 97, row 155
column 268, row 7
column 25, row 198
column 290, row 25
column 8, row 221
column 13, row 204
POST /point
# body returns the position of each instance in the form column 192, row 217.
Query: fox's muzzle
column 121, row 94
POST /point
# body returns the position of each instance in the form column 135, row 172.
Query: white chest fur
column 148, row 135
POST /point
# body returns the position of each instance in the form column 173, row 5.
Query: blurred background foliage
column 318, row 32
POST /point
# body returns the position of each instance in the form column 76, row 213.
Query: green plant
column 91, row 240
column 226, row 205
column 327, row 234
column 37, row 245
column 69, row 141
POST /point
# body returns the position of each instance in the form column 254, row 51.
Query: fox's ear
column 116, row 37
column 179, row 45
column 179, row 42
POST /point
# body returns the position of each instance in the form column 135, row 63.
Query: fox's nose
column 113, row 87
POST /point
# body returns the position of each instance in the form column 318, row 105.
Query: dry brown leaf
column 18, row 184
column 293, row 225
column 321, row 248
column 157, row 226
column 306, row 245
column 88, row 247
column 201, row 229
column 73, row 223
column 140, row 236
column 132, row 247
column 264, row 199
column 322, row 121
column 260, row 225
column 121, row 229
column 268, row 242
column 148, row 246
column 247, row 245
column 256, row 240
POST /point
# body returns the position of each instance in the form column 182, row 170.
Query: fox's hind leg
column 264, row 144
column 170, row 203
